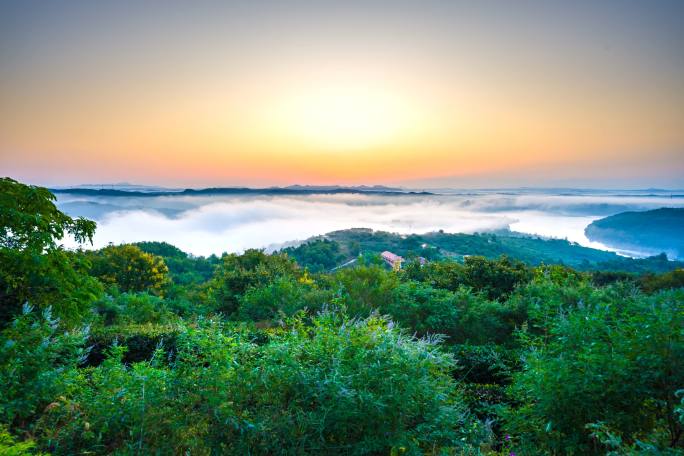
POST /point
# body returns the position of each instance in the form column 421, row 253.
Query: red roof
column 389, row 256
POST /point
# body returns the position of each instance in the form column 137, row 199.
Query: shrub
column 483, row 364
column 652, row 283
column 613, row 359
column 134, row 308
column 424, row 309
column 34, row 354
column 129, row 269
column 335, row 386
column 10, row 447
column 238, row 273
column 140, row 340
column 496, row 278
column 284, row 297
column 364, row 289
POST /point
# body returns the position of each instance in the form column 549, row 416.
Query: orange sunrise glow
column 359, row 96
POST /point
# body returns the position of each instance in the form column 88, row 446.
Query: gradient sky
column 459, row 93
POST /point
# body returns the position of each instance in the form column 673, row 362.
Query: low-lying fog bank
column 203, row 225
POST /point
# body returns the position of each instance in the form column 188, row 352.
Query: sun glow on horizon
column 241, row 94
column 349, row 117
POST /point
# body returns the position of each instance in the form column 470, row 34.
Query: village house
column 392, row 260
column 395, row 261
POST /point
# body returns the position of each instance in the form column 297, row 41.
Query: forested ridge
column 326, row 252
column 144, row 349
column 660, row 230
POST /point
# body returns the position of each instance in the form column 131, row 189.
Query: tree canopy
column 143, row 349
column 29, row 219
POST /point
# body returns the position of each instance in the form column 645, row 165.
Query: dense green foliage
column 238, row 273
column 183, row 268
column 143, row 349
column 29, row 219
column 308, row 389
column 33, row 266
column 129, row 268
column 617, row 349
column 33, row 356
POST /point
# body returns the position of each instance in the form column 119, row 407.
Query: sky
column 420, row 94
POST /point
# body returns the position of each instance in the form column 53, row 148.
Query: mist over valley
column 214, row 223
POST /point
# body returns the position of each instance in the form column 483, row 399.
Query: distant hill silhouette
column 659, row 230
column 293, row 190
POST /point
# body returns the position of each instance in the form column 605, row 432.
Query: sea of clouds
column 204, row 225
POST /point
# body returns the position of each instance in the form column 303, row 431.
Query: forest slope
column 659, row 230
column 335, row 248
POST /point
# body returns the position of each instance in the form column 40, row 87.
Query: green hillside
column 326, row 252
column 659, row 230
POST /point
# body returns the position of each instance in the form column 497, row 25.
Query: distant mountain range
column 133, row 190
column 124, row 186
column 362, row 188
column 651, row 232
column 128, row 189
